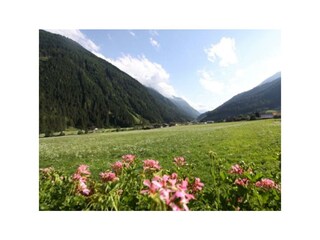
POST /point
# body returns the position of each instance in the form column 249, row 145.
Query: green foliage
column 128, row 190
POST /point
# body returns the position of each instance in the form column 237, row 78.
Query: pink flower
column 76, row 176
column 174, row 176
column 108, row 176
column 165, row 195
column 86, row 192
column 152, row 187
column 128, row 159
column 242, row 181
column 236, row 169
column 169, row 189
column 83, row 169
column 183, row 198
column 82, row 188
column 151, row 165
column 197, row 185
column 174, row 207
column 266, row 183
column 117, row 167
column 179, row 161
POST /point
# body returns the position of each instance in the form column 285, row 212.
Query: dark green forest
column 78, row 89
column 261, row 98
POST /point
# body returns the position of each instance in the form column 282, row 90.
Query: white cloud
column 79, row 37
column 208, row 81
column 154, row 43
column 146, row 72
column 224, row 50
column 132, row 33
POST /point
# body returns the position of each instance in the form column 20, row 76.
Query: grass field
column 250, row 141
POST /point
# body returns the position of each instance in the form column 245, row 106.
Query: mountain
column 172, row 112
column 265, row 96
column 272, row 78
column 79, row 89
column 185, row 107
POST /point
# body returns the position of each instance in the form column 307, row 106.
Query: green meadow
column 257, row 142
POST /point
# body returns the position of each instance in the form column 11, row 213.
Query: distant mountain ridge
column 265, row 96
column 185, row 107
column 79, row 89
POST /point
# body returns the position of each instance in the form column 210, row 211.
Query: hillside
column 185, row 107
column 78, row 89
column 172, row 112
column 263, row 97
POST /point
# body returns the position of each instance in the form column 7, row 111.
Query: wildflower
column 128, row 159
column 182, row 197
column 117, row 167
column 172, row 191
column 266, row 183
column 197, row 185
column 151, row 185
column 179, row 161
column 76, row 176
column 86, row 192
column 83, row 169
column 108, row 176
column 83, row 188
column 236, row 169
column 241, row 181
column 81, row 180
column 175, row 207
column 150, row 164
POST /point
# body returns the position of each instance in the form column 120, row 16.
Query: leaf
column 223, row 175
column 257, row 176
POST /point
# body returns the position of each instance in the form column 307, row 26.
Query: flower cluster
column 241, row 181
column 236, row 169
column 175, row 193
column 80, row 176
column 179, row 161
column 151, row 165
column 128, row 159
column 197, row 185
column 108, row 176
column 117, row 167
column 263, row 183
column 266, row 183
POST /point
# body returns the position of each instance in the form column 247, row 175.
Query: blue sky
column 205, row 67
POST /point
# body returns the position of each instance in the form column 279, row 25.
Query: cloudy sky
column 205, row 67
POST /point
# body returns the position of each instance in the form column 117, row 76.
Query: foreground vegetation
column 212, row 153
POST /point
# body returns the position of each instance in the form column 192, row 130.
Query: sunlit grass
column 250, row 141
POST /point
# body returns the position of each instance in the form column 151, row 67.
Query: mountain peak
column 272, row 78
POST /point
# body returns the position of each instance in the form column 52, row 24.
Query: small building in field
column 266, row 116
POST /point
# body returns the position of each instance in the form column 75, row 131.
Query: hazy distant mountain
column 265, row 96
column 78, row 89
column 185, row 107
column 172, row 112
